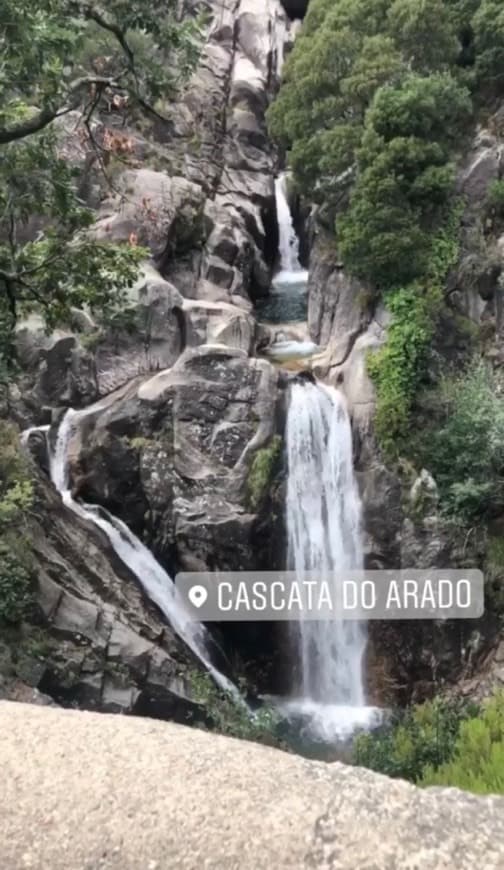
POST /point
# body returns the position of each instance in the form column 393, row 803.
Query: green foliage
column 488, row 26
column 477, row 762
column 261, row 471
column 230, row 715
column 494, row 574
column 58, row 52
column 346, row 52
column 58, row 56
column 399, row 367
column 15, row 582
column 16, row 498
column 465, row 451
column 376, row 100
column 420, row 737
column 496, row 197
column 405, row 179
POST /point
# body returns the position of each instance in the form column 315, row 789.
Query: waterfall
column 291, row 271
column 324, row 534
column 156, row 583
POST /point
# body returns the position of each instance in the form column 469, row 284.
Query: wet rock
column 172, row 455
column 219, row 323
column 94, row 640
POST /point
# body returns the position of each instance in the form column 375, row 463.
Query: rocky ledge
column 84, row 790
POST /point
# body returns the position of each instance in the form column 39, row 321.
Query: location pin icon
column 197, row 596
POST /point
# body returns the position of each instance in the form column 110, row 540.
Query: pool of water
column 285, row 351
column 324, row 731
column 288, row 299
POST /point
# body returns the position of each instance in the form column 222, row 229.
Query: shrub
column 496, row 197
column 399, row 367
column 230, row 715
column 15, row 583
column 16, row 497
column 413, row 739
column 477, row 764
column 465, row 451
column 261, row 471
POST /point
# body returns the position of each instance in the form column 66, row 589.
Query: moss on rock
column 261, row 472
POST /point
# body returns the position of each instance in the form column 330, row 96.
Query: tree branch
column 49, row 113
column 95, row 15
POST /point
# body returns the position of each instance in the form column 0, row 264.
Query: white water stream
column 324, row 534
column 156, row 583
column 291, row 271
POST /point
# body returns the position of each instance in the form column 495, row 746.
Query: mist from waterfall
column 324, row 534
column 155, row 581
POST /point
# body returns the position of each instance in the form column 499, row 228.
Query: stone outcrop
column 81, row 790
column 198, row 191
column 206, row 209
column 94, row 639
column 172, row 456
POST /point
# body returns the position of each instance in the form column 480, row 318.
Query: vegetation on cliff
column 376, row 105
column 59, row 56
column 16, row 497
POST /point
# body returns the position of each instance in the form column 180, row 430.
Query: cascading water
column 157, row 584
column 324, row 534
column 287, row 302
column 291, row 270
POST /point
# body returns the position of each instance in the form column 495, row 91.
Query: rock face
column 198, row 192
column 95, row 640
column 403, row 527
column 81, row 791
column 172, row 456
column 206, row 209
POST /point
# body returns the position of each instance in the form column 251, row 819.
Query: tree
column 338, row 62
column 347, row 51
column 404, row 178
column 62, row 54
column 488, row 26
column 424, row 33
column 59, row 56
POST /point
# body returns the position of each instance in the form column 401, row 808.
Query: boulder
column 171, row 455
column 81, row 790
column 61, row 370
column 75, row 366
column 219, row 323
column 162, row 212
column 482, row 167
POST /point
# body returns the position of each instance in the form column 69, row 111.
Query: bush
column 496, row 197
column 16, row 497
column 399, row 368
column 477, row 764
column 261, row 472
column 231, row 716
column 405, row 179
column 465, row 451
column 414, row 739
column 15, row 583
